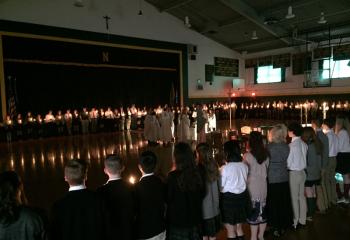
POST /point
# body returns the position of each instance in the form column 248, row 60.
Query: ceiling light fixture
column 187, row 22
column 254, row 36
column 290, row 14
column 79, row 3
column 322, row 19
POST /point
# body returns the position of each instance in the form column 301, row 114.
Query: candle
column 324, row 110
column 132, row 179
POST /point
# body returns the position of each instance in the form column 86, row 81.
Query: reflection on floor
column 40, row 164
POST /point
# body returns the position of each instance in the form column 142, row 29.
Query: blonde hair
column 278, row 133
column 342, row 122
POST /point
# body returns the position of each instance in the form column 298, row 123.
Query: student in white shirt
column 296, row 164
column 330, row 182
column 235, row 197
column 342, row 129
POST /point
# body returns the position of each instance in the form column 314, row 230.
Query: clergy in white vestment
column 151, row 128
column 166, row 121
column 211, row 121
column 183, row 129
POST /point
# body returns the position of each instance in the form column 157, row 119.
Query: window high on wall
column 268, row 74
column 335, row 69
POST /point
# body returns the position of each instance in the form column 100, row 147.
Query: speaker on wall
column 192, row 49
column 193, row 57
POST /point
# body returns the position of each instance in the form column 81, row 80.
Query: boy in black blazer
column 150, row 200
column 118, row 198
column 80, row 214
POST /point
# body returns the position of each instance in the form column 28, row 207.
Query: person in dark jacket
column 17, row 221
column 118, row 198
column 150, row 200
column 185, row 192
column 80, row 214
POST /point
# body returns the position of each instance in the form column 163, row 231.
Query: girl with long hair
column 184, row 196
column 210, row 207
column 313, row 168
column 257, row 159
column 16, row 220
column 235, row 197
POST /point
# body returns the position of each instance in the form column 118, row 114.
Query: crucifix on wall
column 107, row 18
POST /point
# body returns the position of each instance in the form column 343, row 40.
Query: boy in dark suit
column 118, row 198
column 80, row 214
column 150, row 200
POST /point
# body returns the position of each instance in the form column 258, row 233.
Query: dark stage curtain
column 42, row 87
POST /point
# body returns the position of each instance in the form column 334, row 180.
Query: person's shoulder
column 29, row 213
column 149, row 182
column 280, row 145
column 61, row 201
column 243, row 165
column 172, row 176
column 248, row 156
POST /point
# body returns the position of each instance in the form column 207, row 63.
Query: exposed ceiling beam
column 309, row 19
column 174, row 5
column 284, row 7
column 339, row 29
column 249, row 43
column 231, row 22
column 246, row 11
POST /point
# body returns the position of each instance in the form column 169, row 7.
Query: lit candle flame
column 132, row 180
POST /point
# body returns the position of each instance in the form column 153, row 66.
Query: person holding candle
column 84, row 121
column 183, row 129
column 152, row 128
column 211, row 121
column 68, row 121
column 59, row 119
column 166, row 122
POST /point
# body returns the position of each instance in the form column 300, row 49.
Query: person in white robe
column 166, row 122
column 151, row 128
column 183, row 129
column 211, row 121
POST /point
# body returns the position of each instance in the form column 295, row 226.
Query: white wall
column 126, row 22
column 293, row 84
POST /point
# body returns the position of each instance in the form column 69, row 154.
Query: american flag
column 12, row 96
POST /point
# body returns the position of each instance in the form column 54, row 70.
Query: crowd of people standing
column 30, row 126
column 273, row 184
